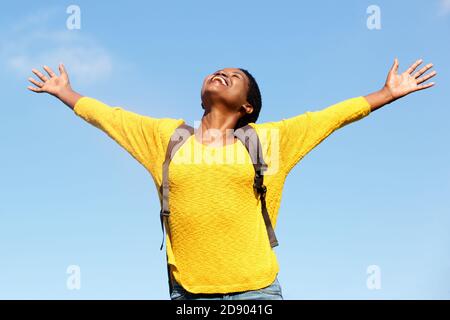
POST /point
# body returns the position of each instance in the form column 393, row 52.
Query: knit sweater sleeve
column 139, row 135
column 298, row 135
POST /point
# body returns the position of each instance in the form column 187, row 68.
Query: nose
column 221, row 73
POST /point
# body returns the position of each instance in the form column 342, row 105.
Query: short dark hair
column 254, row 98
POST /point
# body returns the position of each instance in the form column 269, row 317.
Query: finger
column 394, row 67
column 62, row 69
column 34, row 89
column 40, row 75
column 414, row 66
column 36, row 83
column 49, row 71
column 423, row 70
column 426, row 77
column 425, row 86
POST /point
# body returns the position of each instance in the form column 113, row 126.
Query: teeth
column 221, row 79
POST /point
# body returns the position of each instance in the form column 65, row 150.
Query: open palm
column 402, row 84
column 52, row 84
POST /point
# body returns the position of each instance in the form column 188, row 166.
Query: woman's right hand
column 58, row 86
column 53, row 84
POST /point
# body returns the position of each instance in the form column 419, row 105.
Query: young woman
column 217, row 247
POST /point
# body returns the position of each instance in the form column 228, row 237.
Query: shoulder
column 266, row 129
column 166, row 127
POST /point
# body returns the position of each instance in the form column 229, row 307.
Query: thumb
column 62, row 70
column 394, row 67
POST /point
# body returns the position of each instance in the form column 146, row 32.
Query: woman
column 217, row 247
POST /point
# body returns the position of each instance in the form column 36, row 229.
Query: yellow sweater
column 217, row 240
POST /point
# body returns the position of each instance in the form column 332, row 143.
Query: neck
column 217, row 127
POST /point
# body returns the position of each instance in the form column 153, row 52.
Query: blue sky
column 376, row 192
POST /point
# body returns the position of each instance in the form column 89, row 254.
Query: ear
column 248, row 108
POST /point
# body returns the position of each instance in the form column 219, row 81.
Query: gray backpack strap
column 249, row 138
column 178, row 138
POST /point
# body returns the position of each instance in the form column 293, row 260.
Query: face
column 226, row 87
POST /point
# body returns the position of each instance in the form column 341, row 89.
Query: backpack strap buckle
column 162, row 214
column 261, row 189
column 165, row 213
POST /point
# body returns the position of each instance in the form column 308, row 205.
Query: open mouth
column 220, row 79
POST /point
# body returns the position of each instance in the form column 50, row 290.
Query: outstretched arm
column 137, row 134
column 300, row 134
column 400, row 85
column 58, row 86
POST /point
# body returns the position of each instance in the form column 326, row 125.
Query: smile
column 220, row 79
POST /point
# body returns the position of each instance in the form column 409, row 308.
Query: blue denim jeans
column 271, row 292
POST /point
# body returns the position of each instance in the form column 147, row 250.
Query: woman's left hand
column 399, row 85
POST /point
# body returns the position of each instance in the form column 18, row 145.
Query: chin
column 213, row 92
column 215, row 87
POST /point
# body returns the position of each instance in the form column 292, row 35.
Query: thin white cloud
column 32, row 43
column 444, row 7
column 35, row 19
